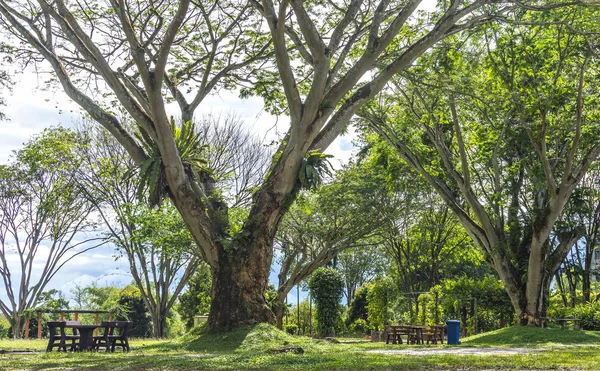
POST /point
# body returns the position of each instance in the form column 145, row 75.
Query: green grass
column 255, row 348
column 533, row 336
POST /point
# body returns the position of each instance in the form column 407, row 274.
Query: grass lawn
column 255, row 348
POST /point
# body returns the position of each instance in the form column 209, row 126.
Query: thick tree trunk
column 239, row 285
column 17, row 328
column 159, row 324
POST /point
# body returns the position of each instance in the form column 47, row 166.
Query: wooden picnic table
column 414, row 334
column 86, row 335
column 562, row 322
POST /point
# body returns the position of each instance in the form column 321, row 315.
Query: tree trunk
column 586, row 285
column 278, row 311
column 159, row 324
column 279, row 306
column 561, row 289
column 17, row 327
column 239, row 285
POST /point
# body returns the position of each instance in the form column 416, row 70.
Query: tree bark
column 239, row 285
column 159, row 324
column 17, row 327
column 278, row 311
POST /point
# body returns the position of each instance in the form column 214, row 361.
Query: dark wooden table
column 414, row 334
column 86, row 335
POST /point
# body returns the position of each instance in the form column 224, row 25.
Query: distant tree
column 358, row 307
column 341, row 215
column 5, row 83
column 381, row 297
column 80, row 296
column 44, row 219
column 196, row 299
column 358, row 266
column 584, row 209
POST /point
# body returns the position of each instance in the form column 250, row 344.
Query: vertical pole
column 298, row 301
column 39, row 334
column 110, row 317
column 62, row 316
column 286, row 312
column 76, row 316
column 96, row 330
column 298, row 304
column 437, row 313
column 27, row 328
column 309, row 314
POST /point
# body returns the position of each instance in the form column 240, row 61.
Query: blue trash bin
column 453, row 327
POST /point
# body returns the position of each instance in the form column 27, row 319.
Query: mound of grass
column 531, row 336
column 259, row 338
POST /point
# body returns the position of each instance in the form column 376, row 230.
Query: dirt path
column 459, row 351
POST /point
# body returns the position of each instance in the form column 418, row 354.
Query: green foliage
column 380, row 298
column 360, row 326
column 303, row 317
column 291, row 328
column 589, row 313
column 151, row 173
column 174, row 325
column 358, row 307
column 489, row 120
column 195, row 301
column 456, row 296
column 326, row 287
column 135, row 310
column 5, row 328
column 271, row 296
column 314, row 167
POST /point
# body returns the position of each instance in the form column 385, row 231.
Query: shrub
column 4, row 328
column 359, row 326
column 589, row 313
column 326, row 287
column 358, row 306
column 291, row 329
column 379, row 301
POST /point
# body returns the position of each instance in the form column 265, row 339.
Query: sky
column 30, row 110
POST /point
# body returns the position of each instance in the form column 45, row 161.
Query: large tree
column 44, row 218
column 156, row 243
column 331, row 58
column 504, row 138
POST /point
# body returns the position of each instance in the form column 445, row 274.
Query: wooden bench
column 395, row 332
column 115, row 334
column 434, row 334
column 58, row 337
column 562, row 322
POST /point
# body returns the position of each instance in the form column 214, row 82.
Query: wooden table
column 562, row 322
column 86, row 335
column 414, row 334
